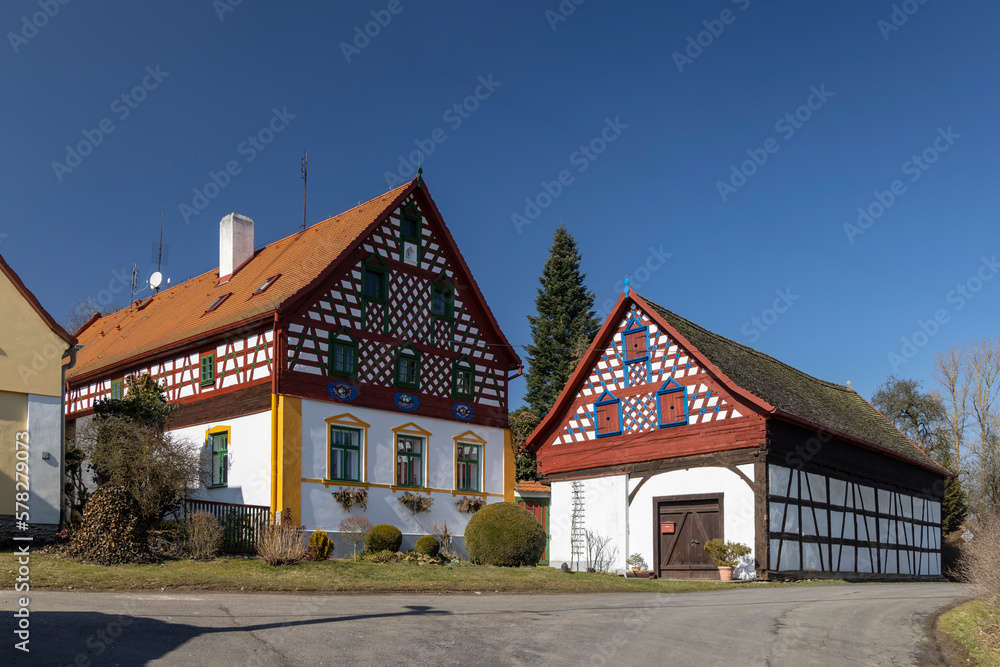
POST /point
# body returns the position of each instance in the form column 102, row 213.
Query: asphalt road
column 874, row 624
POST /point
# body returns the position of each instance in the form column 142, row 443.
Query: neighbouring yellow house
column 32, row 349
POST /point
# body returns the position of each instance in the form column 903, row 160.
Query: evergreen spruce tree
column 565, row 318
column 953, row 509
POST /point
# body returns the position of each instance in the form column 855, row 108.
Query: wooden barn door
column 540, row 508
column 682, row 526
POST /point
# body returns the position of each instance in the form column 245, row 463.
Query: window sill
column 405, row 487
column 344, row 482
column 476, row 494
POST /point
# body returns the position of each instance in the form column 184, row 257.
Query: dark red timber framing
column 283, row 292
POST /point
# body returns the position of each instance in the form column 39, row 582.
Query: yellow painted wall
column 289, row 474
column 30, row 352
column 13, row 418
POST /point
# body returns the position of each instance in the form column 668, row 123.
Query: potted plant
column 636, row 562
column 726, row 555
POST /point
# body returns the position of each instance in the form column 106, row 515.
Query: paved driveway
column 875, row 624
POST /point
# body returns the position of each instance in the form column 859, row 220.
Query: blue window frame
column 635, row 350
column 607, row 415
column 635, row 343
column 671, row 404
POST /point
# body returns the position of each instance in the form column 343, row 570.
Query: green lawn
column 976, row 626
column 243, row 574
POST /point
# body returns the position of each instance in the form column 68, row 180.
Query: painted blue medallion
column 406, row 401
column 462, row 411
column 342, row 391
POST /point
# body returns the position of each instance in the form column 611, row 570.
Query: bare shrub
column 282, row 543
column 204, row 535
column 354, row 529
column 443, row 533
column 600, row 552
column 978, row 565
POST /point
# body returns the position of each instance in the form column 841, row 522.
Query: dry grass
column 976, row 626
column 55, row 572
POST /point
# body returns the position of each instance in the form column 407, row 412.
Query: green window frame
column 345, row 454
column 374, row 280
column 442, row 299
column 409, row 461
column 406, row 373
column 219, row 443
column 207, row 369
column 463, row 379
column 468, row 465
column 442, row 302
column 117, row 389
column 342, row 355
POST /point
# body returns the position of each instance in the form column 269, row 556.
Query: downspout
column 274, row 416
column 71, row 353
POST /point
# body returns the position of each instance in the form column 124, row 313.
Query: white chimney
column 235, row 243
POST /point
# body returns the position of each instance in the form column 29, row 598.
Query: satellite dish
column 155, row 279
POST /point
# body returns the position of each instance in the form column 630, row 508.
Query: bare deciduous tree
column 969, row 374
column 948, row 371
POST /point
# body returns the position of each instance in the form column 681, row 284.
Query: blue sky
column 829, row 103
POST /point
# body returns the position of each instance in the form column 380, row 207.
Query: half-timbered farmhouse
column 668, row 435
column 356, row 354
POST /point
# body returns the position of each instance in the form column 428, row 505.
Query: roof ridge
column 747, row 348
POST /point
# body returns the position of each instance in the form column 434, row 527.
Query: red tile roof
column 531, row 488
column 177, row 315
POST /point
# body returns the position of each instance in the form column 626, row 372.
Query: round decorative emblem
column 406, row 401
column 342, row 391
column 462, row 411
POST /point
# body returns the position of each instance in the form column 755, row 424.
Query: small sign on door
column 666, row 527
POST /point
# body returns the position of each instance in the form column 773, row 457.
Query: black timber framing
column 819, row 452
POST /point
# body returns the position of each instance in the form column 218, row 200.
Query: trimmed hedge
column 383, row 537
column 504, row 534
column 428, row 545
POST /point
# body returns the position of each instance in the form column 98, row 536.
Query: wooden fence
column 241, row 524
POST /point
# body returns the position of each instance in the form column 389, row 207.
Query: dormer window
column 264, row 285
column 218, row 302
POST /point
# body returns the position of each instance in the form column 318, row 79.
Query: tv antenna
column 305, row 180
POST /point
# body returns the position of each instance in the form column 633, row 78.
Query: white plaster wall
column 320, row 510
column 605, row 513
column 737, row 507
column 249, row 458
column 45, row 415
